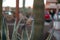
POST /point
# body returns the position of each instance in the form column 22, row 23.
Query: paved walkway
column 56, row 33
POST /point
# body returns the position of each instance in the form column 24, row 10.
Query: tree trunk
column 38, row 11
column 39, row 18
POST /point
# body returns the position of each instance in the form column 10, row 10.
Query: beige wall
column 51, row 0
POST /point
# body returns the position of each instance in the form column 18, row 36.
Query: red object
column 47, row 16
column 17, row 11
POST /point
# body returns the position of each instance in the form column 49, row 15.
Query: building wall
column 48, row 2
column 54, row 1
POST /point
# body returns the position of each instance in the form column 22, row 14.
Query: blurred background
column 36, row 8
